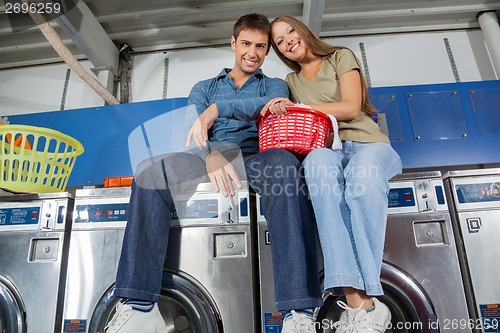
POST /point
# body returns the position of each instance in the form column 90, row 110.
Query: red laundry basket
column 300, row 130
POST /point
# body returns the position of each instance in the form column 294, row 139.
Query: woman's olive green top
column 325, row 88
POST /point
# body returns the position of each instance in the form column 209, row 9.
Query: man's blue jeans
column 274, row 174
column 349, row 190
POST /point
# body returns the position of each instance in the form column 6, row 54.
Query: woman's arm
column 349, row 107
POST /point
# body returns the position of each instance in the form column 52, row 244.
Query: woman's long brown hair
column 320, row 49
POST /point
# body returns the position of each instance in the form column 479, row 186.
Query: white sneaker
column 128, row 320
column 298, row 323
column 359, row 321
column 340, row 325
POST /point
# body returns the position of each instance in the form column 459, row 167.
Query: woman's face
column 288, row 41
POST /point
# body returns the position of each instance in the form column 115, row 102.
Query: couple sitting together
column 342, row 192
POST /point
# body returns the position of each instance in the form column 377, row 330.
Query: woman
column 348, row 186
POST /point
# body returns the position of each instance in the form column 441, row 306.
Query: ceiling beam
column 410, row 12
column 88, row 35
column 312, row 14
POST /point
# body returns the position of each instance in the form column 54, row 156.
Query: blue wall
column 442, row 124
column 105, row 131
column 429, row 125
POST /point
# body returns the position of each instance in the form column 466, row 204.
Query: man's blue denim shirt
column 238, row 108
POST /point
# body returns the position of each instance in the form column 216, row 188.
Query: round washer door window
column 403, row 297
column 185, row 306
column 12, row 313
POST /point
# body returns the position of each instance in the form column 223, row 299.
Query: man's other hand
column 221, row 172
column 199, row 130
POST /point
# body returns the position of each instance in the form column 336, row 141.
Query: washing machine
column 208, row 275
column 99, row 220
column 421, row 275
column 270, row 320
column 475, row 198
column 34, row 238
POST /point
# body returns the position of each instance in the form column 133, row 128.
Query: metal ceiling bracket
column 312, row 14
column 62, row 50
column 126, row 65
column 65, row 89
column 89, row 36
column 452, row 60
column 165, row 79
column 365, row 65
column 98, row 69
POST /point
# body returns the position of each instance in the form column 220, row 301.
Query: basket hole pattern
column 297, row 131
column 37, row 162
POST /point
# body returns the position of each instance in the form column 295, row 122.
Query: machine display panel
column 196, row 209
column 19, row 216
column 401, row 197
column 101, row 212
column 481, row 192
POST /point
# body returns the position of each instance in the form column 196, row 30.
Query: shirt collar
column 225, row 72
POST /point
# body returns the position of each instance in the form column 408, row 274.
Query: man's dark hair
column 253, row 21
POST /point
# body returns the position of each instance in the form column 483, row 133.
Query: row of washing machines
column 59, row 255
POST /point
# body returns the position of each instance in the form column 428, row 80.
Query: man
column 227, row 106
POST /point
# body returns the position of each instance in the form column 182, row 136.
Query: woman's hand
column 221, row 172
column 276, row 106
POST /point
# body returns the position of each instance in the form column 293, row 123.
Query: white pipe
column 61, row 49
column 488, row 22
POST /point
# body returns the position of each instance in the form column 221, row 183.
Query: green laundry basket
column 36, row 159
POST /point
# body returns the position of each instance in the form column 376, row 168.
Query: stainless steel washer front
column 210, row 245
column 208, row 275
column 420, row 275
column 99, row 220
column 34, row 233
column 475, row 196
column 421, row 243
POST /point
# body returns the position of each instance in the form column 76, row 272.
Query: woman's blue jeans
column 348, row 189
column 274, row 174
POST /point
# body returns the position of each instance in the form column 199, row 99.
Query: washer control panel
column 109, row 208
column 211, row 208
column 416, row 196
column 477, row 192
column 33, row 215
column 19, row 216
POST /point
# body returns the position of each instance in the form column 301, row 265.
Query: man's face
column 250, row 50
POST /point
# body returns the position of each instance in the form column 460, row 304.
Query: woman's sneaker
column 296, row 322
column 129, row 320
column 362, row 321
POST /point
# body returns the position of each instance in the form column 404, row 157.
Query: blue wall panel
column 437, row 147
column 104, row 133
column 425, row 134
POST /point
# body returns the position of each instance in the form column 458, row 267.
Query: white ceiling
column 94, row 29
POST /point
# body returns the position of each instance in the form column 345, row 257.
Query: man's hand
column 276, row 106
column 199, row 130
column 221, row 172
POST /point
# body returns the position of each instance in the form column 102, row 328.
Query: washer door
column 12, row 312
column 411, row 310
column 184, row 304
